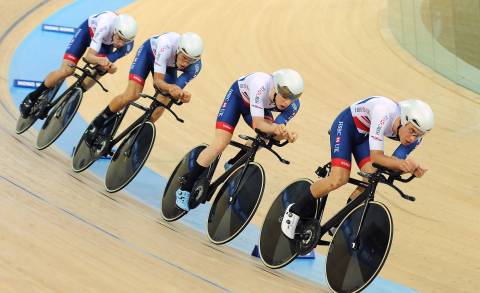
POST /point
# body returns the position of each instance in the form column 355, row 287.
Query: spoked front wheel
column 352, row 269
column 85, row 155
column 170, row 211
column 59, row 118
column 277, row 250
column 130, row 157
column 233, row 208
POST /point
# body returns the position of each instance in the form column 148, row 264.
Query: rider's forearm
column 92, row 57
column 162, row 85
column 263, row 125
column 386, row 161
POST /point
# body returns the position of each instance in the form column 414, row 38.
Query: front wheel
column 59, row 118
column 233, row 208
column 130, row 157
column 350, row 269
column 276, row 249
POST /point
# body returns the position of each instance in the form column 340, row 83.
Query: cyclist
column 253, row 96
column 360, row 130
column 162, row 56
column 105, row 37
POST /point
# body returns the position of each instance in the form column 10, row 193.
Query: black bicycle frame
column 80, row 78
column 143, row 118
column 365, row 197
column 257, row 142
column 244, row 160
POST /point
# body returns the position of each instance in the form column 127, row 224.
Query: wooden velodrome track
column 60, row 230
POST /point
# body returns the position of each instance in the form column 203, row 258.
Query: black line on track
column 269, row 272
column 131, row 245
column 214, row 248
column 110, row 234
column 166, row 226
column 17, row 138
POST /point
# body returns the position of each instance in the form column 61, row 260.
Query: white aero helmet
column 418, row 113
column 288, row 83
column 125, row 26
column 191, row 45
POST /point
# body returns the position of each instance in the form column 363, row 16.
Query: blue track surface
column 42, row 52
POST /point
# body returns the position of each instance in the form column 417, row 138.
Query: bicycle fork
column 356, row 241
column 251, row 157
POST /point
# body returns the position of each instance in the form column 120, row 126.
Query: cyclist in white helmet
column 105, row 37
column 162, row 56
column 254, row 97
column 360, row 130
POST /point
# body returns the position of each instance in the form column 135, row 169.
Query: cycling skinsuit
column 97, row 33
column 361, row 128
column 158, row 54
column 249, row 96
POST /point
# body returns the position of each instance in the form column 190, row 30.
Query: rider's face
column 408, row 134
column 118, row 41
column 183, row 61
column 281, row 102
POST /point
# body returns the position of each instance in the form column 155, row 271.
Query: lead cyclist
column 360, row 130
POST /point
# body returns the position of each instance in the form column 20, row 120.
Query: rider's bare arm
column 174, row 90
column 263, row 125
column 92, row 58
column 408, row 166
column 278, row 130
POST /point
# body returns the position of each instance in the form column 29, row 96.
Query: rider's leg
column 52, row 79
column 157, row 113
column 337, row 178
column 361, row 152
column 207, row 156
column 89, row 82
column 130, row 94
column 141, row 67
column 227, row 119
column 342, row 140
column 248, row 118
column 367, row 168
column 75, row 50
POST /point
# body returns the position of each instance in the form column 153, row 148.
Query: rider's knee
column 129, row 96
column 218, row 147
column 66, row 71
column 337, row 182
